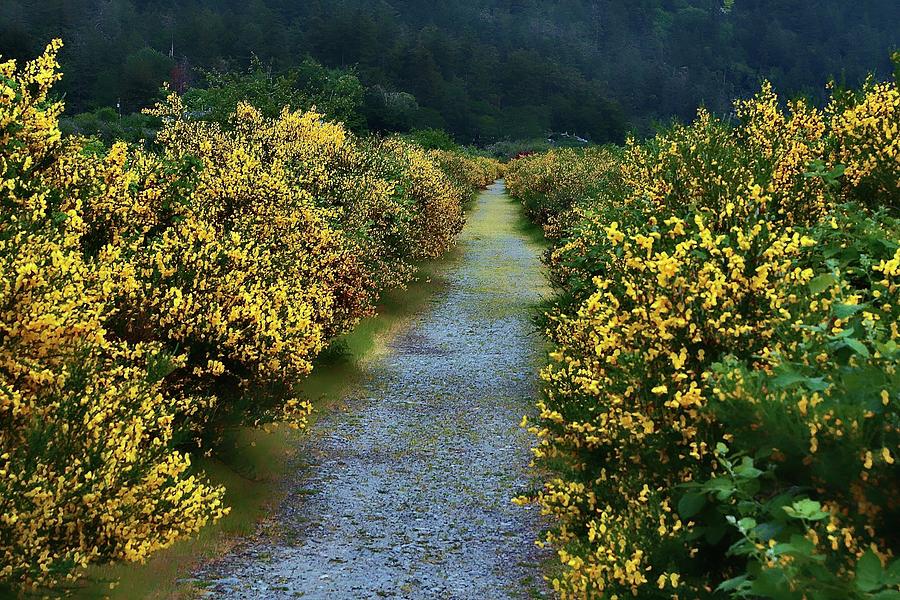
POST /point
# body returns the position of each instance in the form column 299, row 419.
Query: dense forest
column 483, row 70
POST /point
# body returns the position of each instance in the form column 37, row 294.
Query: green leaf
column 816, row 384
column 807, row 509
column 802, row 545
column 784, row 548
column 868, row 572
column 822, row 283
column 746, row 469
column 888, row 348
column 691, row 504
column 768, row 531
column 787, row 379
column 715, row 533
column 732, row 584
column 722, row 487
column 892, row 574
column 816, row 168
column 842, row 311
column 858, row 347
column 772, row 583
column 844, row 334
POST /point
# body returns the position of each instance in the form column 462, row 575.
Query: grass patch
column 533, row 232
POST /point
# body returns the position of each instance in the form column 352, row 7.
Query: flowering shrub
column 720, row 409
column 88, row 469
column 438, row 216
column 152, row 298
column 818, row 417
column 467, row 171
column 866, row 142
column 551, row 184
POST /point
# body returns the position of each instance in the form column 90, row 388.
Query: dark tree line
column 482, row 69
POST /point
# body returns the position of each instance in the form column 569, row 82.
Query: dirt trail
column 408, row 491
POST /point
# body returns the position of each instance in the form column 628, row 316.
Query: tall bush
column 726, row 306
column 88, row 469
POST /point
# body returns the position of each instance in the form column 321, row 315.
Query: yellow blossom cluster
column 87, row 468
column 867, row 140
column 467, row 171
column 153, row 296
column 723, row 292
column 550, row 184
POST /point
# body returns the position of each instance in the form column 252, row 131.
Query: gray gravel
column 407, row 493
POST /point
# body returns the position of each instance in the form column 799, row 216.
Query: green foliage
column 158, row 296
column 764, row 412
column 483, row 71
column 433, row 139
column 509, row 149
column 108, row 127
column 337, row 94
column 391, row 111
column 143, row 73
column 772, row 530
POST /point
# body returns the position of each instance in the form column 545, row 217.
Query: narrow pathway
column 408, row 492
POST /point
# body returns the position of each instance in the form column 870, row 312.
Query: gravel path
column 408, row 491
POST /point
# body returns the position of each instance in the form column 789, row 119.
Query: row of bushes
column 720, row 415
column 152, row 298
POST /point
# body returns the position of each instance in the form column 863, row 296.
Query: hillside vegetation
column 485, row 69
